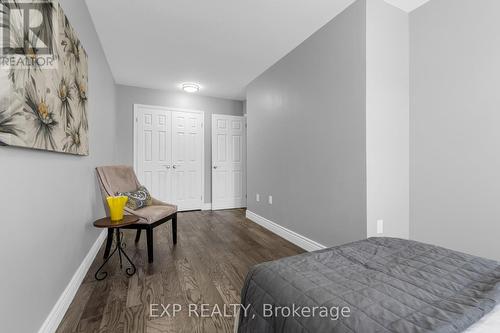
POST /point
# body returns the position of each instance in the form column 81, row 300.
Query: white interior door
column 168, row 154
column 228, row 162
column 187, row 130
column 154, row 150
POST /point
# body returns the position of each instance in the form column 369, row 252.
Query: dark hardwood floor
column 207, row 266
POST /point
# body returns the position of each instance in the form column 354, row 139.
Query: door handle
column 174, row 166
column 215, row 166
column 167, row 166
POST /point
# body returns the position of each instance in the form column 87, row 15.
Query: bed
column 388, row 285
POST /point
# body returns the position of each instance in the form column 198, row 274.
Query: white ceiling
column 407, row 5
column 221, row 44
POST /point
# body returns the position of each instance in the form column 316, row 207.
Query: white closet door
column 228, row 162
column 169, row 154
column 187, row 141
column 154, row 150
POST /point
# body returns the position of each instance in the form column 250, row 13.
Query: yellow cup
column 116, row 207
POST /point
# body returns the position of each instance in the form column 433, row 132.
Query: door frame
column 166, row 108
column 245, row 146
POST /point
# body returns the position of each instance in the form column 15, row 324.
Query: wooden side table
column 114, row 227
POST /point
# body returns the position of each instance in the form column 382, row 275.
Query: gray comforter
column 387, row 284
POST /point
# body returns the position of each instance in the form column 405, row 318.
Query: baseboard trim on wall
column 59, row 310
column 291, row 236
column 206, row 206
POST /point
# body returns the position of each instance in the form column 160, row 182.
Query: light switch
column 257, row 197
column 270, row 199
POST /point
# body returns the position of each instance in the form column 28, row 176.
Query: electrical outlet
column 380, row 226
column 257, row 197
column 270, row 199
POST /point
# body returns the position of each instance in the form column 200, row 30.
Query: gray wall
column 50, row 200
column 387, row 119
column 454, row 125
column 306, row 134
column 128, row 96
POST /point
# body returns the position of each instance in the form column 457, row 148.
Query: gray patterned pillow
column 138, row 199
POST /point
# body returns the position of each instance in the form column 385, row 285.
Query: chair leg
column 138, row 235
column 149, row 236
column 174, row 228
column 109, row 241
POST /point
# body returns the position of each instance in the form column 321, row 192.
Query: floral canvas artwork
column 44, row 107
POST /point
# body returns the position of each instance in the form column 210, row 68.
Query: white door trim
column 166, row 108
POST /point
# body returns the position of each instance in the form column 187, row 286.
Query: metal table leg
column 119, row 247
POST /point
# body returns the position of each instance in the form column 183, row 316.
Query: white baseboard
column 59, row 310
column 291, row 236
column 206, row 206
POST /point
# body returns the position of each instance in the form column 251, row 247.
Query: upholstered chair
column 115, row 179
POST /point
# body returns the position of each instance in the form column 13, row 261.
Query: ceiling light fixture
column 190, row 87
